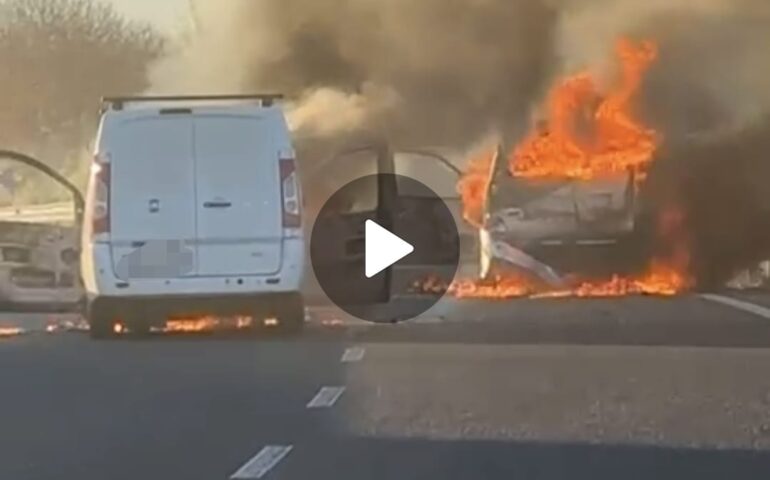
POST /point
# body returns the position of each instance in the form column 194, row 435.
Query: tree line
column 57, row 58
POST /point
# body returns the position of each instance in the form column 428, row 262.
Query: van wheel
column 291, row 314
column 139, row 329
column 101, row 322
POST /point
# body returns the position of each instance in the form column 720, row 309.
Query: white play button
column 383, row 249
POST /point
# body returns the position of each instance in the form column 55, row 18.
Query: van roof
column 187, row 101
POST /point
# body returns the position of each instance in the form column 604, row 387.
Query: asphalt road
column 580, row 389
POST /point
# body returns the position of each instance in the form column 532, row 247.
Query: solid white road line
column 739, row 304
column 263, row 462
column 326, row 397
column 431, row 320
column 353, row 354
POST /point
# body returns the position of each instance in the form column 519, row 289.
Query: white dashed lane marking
column 263, row 462
column 326, row 397
column 353, row 354
column 739, row 304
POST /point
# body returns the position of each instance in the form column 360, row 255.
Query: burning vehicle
column 550, row 225
column 563, row 212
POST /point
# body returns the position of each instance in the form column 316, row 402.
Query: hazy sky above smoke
column 166, row 14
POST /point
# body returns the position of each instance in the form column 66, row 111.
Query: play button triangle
column 383, row 249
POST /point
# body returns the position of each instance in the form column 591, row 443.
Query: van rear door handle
column 218, row 204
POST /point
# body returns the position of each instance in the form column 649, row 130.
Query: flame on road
column 9, row 332
column 499, row 288
column 206, row 324
column 661, row 279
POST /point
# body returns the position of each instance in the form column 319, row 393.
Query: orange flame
column 588, row 134
column 8, row 332
column 206, row 324
column 473, row 187
column 661, row 279
column 500, row 288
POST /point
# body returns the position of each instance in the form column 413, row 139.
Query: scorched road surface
column 580, row 389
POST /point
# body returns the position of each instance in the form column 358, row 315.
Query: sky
column 165, row 14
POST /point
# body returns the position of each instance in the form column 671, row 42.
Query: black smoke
column 708, row 96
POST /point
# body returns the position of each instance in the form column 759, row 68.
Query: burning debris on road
column 661, row 280
column 10, row 332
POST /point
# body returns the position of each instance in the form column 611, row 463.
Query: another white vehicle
column 193, row 208
column 28, row 285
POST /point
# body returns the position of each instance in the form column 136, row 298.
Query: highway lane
column 631, row 388
column 75, row 409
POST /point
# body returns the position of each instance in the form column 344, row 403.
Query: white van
column 193, row 208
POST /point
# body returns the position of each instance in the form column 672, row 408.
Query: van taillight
column 292, row 213
column 100, row 216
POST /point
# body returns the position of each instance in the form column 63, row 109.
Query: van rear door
column 152, row 184
column 239, row 217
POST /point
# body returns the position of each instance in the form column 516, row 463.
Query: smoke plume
column 451, row 72
column 433, row 72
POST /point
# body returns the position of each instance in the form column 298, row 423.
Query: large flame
column 587, row 133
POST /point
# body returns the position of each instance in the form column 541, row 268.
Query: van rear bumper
column 101, row 281
column 160, row 308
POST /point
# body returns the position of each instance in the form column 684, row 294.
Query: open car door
column 52, row 272
column 428, row 215
column 401, row 204
column 338, row 243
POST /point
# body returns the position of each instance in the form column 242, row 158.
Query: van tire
column 290, row 310
column 101, row 322
column 139, row 329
